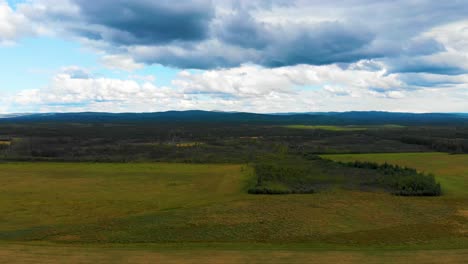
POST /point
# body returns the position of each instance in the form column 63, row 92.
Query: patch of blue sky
column 78, row 104
column 31, row 62
column 207, row 96
column 20, row 108
column 164, row 75
column 13, row 3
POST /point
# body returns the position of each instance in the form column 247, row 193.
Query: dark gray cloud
column 325, row 43
column 242, row 30
column 424, row 64
column 148, row 22
column 424, row 67
column 123, row 22
column 226, row 33
column 429, row 80
column 423, row 46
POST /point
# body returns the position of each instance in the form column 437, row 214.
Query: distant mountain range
column 330, row 118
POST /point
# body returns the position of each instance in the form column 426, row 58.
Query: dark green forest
column 285, row 158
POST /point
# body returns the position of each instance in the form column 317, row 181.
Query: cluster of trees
column 401, row 180
column 273, row 179
column 286, row 174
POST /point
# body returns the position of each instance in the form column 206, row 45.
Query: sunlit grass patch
column 188, row 144
column 5, row 143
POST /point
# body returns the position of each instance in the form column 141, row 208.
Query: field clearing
column 204, row 210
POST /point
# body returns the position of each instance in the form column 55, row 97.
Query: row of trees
column 288, row 175
column 451, row 145
column 401, row 180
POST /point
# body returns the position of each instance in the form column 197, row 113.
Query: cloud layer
column 208, row 34
column 260, row 56
column 12, row 25
column 248, row 88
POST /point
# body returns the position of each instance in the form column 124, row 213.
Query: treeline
column 455, row 145
column 109, row 150
column 219, row 142
column 401, row 180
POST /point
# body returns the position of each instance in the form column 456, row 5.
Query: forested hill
column 329, row 118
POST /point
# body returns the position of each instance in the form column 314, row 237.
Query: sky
column 264, row 56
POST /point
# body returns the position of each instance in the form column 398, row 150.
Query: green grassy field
column 86, row 254
column 175, row 212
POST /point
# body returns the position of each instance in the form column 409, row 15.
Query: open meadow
column 203, row 131
column 182, row 213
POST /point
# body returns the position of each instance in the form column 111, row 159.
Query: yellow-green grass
column 450, row 170
column 168, row 210
column 86, row 254
column 37, row 194
column 189, row 144
column 342, row 128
